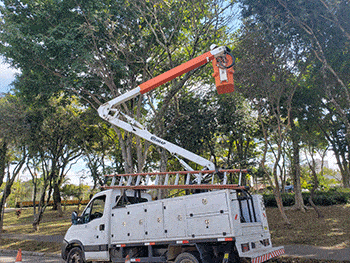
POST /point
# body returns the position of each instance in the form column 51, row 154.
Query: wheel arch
column 72, row 244
column 175, row 250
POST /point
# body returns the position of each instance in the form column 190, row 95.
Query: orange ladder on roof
column 174, row 180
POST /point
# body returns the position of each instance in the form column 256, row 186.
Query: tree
column 221, row 127
column 77, row 191
column 264, row 73
column 321, row 29
column 100, row 147
column 315, row 144
column 111, row 47
column 56, row 133
column 327, row 29
column 13, row 152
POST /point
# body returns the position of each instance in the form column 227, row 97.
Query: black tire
column 186, row 258
column 75, row 255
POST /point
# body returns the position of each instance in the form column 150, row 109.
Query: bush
column 287, row 200
column 325, row 198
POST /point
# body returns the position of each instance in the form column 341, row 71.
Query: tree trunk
column 280, row 206
column 318, row 212
column 315, row 179
column 278, row 197
column 38, row 217
column 8, row 186
column 3, row 161
column 41, row 208
column 296, row 174
column 6, row 193
column 34, row 196
column 163, row 193
column 125, row 146
column 275, row 185
column 57, row 200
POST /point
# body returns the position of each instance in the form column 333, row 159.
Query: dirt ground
column 332, row 231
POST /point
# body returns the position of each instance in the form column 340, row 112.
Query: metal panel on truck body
column 260, row 211
column 215, row 214
column 175, row 224
column 128, row 223
column 209, row 225
column 154, row 221
column 208, row 215
column 204, row 214
column 207, row 203
column 255, row 205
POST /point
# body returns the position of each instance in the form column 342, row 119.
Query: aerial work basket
column 223, row 73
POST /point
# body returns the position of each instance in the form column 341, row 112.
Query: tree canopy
column 291, row 86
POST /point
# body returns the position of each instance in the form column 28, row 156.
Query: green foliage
column 324, row 198
column 214, row 125
column 314, row 35
column 81, row 192
column 270, row 201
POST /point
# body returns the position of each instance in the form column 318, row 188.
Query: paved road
column 311, row 252
column 342, row 255
column 322, row 253
column 9, row 256
column 53, row 238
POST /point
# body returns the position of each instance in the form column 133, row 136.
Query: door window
column 95, row 209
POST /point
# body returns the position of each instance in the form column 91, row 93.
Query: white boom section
column 135, row 127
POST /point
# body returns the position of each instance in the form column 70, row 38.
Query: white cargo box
column 204, row 215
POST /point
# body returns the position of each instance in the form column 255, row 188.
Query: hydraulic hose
column 222, row 60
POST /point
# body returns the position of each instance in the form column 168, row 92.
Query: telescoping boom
column 222, row 62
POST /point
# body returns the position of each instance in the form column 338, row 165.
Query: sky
column 7, row 76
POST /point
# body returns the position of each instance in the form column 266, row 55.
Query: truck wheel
column 186, row 258
column 75, row 255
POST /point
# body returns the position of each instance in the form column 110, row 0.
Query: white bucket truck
column 217, row 222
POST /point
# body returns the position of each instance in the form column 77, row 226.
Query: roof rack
column 205, row 179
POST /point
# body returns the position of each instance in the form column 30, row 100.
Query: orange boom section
column 175, row 72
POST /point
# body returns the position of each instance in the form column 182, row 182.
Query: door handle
column 102, row 227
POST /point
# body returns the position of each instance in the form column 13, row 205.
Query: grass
column 30, row 245
column 51, row 224
column 331, row 231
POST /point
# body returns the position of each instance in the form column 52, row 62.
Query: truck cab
column 88, row 237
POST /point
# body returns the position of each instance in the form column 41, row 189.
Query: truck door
column 94, row 221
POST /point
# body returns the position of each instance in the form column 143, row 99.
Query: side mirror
column 74, row 218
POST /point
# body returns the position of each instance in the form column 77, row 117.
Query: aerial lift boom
column 222, row 62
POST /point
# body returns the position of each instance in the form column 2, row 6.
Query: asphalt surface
column 302, row 251
column 322, row 253
column 29, row 257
